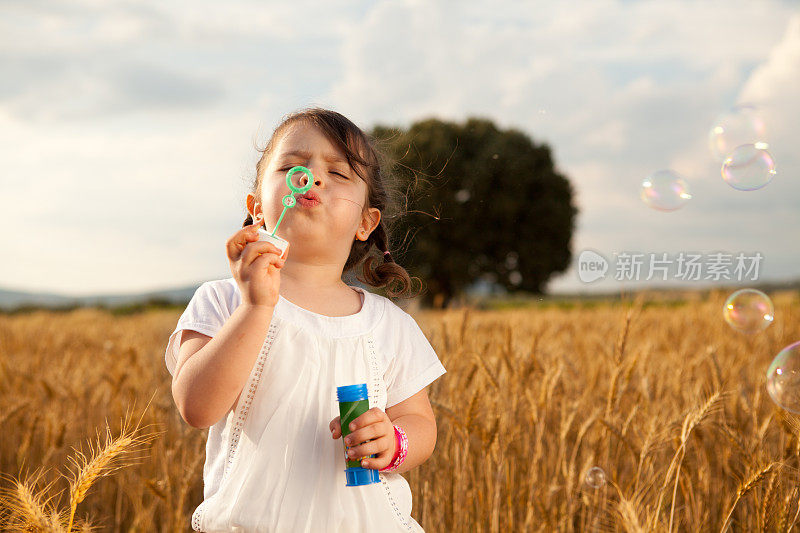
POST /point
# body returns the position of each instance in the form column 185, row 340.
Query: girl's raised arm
column 208, row 382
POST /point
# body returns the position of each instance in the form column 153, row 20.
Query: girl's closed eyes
column 286, row 169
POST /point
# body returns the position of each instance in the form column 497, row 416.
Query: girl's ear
column 250, row 205
column 371, row 220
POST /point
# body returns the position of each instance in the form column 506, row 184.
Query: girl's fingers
column 256, row 249
column 236, row 244
column 366, row 433
column 252, row 229
column 368, row 448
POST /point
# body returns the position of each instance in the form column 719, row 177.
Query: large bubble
column 665, row 190
column 739, row 125
column 783, row 378
column 748, row 168
column 748, row 310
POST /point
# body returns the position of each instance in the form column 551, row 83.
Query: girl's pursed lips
column 305, row 202
column 311, row 195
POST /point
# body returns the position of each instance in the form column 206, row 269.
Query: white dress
column 271, row 464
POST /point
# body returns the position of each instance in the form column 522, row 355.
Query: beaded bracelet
column 401, row 452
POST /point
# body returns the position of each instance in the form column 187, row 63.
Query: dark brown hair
column 362, row 149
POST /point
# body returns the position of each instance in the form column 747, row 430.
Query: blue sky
column 127, row 129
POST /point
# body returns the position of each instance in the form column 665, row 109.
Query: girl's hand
column 255, row 266
column 375, row 425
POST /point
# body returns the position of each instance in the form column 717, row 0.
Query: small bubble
column 742, row 124
column 665, row 190
column 748, row 168
column 595, row 477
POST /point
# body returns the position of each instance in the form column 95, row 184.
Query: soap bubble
column 665, row 190
column 748, row 168
column 783, row 378
column 595, row 477
column 748, row 310
column 740, row 125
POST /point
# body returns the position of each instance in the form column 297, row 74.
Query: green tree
column 480, row 202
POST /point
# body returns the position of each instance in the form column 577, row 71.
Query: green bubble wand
column 289, row 200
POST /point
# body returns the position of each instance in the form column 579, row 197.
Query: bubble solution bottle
column 353, row 402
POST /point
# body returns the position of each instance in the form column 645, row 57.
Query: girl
column 257, row 357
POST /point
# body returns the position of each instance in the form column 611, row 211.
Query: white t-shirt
column 271, row 464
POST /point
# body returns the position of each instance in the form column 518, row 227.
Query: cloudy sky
column 127, row 129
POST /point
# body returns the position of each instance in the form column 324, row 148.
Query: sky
column 128, row 130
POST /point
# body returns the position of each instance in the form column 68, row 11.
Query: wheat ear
column 29, row 506
column 101, row 462
column 747, row 486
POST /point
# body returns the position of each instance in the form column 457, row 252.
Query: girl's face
column 329, row 228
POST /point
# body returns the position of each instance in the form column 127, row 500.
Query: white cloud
column 117, row 208
column 619, row 90
column 774, row 86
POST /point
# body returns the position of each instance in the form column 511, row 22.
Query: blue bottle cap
column 361, row 476
column 352, row 393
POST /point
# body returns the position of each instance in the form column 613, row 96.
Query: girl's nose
column 304, row 179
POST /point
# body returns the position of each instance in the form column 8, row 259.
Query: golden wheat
column 661, row 394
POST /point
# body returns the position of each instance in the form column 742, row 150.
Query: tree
column 495, row 208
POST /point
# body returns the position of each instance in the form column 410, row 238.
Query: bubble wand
column 288, row 201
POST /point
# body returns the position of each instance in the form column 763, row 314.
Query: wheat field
column 664, row 397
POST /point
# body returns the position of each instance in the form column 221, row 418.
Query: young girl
column 257, row 357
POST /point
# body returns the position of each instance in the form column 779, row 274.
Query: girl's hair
column 361, row 149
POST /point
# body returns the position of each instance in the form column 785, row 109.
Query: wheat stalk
column 12, row 411
column 747, row 486
column 767, row 514
column 487, row 371
column 691, row 421
column 629, row 516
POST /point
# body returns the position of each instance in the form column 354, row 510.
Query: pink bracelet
column 396, row 450
column 402, row 450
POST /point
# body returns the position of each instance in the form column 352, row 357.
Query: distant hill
column 11, row 300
